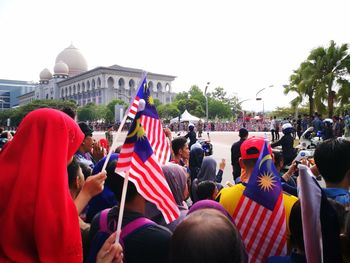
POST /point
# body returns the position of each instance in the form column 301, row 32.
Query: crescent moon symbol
column 267, row 157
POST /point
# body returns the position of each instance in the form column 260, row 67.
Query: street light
column 206, row 100
column 259, row 98
column 240, row 103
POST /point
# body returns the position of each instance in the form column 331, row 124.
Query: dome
column 61, row 68
column 45, row 74
column 74, row 59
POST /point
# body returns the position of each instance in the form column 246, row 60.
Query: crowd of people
column 58, row 205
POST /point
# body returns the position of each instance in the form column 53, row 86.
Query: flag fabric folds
column 138, row 159
column 259, row 215
column 320, row 224
column 151, row 123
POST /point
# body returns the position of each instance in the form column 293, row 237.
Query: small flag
column 151, row 123
column 259, row 215
column 137, row 158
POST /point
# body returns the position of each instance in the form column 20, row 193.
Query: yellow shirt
column 229, row 198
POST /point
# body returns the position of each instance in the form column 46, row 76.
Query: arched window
column 159, row 87
column 121, row 83
column 93, row 83
column 110, row 83
column 98, row 83
column 87, row 86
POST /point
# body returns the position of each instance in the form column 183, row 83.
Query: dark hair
column 72, row 170
column 115, row 183
column 86, row 169
column 205, row 190
column 296, row 226
column 278, row 157
column 70, row 112
column 177, row 144
column 332, row 159
column 249, row 162
column 206, row 236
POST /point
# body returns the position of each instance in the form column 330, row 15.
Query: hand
column 222, row 164
column 94, row 184
column 97, row 152
column 110, row 251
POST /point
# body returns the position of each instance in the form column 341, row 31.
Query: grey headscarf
column 208, row 170
column 175, row 175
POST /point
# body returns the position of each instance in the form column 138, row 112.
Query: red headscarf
column 38, row 219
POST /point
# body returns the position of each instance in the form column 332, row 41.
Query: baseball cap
column 243, row 132
column 250, row 148
column 85, row 128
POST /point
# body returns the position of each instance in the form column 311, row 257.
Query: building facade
column 10, row 90
column 71, row 80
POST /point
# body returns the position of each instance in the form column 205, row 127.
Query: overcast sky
column 242, row 46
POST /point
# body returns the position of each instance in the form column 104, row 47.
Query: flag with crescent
column 151, row 123
column 259, row 215
column 137, row 158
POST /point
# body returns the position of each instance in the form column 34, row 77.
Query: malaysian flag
column 151, row 123
column 137, row 158
column 259, row 215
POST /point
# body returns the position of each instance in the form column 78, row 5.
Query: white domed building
column 71, row 80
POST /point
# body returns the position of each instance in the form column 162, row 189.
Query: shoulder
column 230, row 196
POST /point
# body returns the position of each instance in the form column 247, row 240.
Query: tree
column 182, row 96
column 16, row 115
column 218, row 109
column 109, row 114
column 330, row 69
column 193, row 106
column 168, row 111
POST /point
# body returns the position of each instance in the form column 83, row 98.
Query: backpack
column 104, row 232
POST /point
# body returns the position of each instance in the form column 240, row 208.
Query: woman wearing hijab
column 175, row 176
column 208, row 173
column 196, row 159
column 38, row 217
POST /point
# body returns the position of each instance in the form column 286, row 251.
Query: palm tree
column 328, row 69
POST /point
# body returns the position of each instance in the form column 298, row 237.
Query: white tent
column 186, row 116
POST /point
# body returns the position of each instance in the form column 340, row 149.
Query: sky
column 242, row 46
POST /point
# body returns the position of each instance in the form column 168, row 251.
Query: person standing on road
column 236, row 153
column 273, row 128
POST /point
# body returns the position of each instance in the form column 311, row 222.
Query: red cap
column 250, row 148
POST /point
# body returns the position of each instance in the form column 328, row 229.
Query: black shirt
column 193, row 138
column 235, row 155
column 146, row 244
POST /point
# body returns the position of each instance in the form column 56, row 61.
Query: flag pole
column 121, row 207
column 144, row 74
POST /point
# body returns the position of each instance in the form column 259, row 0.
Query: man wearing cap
column 84, row 153
column 250, row 151
column 236, row 153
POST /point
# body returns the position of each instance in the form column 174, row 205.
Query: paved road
column 221, row 141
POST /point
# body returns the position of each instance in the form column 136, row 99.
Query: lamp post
column 240, row 103
column 260, row 98
column 206, row 100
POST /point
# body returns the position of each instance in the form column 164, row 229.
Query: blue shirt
column 340, row 195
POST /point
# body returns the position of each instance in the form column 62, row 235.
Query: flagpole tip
column 142, row 105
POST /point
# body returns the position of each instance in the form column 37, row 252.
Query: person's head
column 191, row 127
column 287, row 128
column 70, row 112
column 85, row 169
column 88, row 141
column 208, row 169
column 278, row 161
column 180, row 148
column 243, row 133
column 115, row 183
column 333, row 162
column 250, row 151
column 176, row 178
column 204, row 236
column 110, row 127
column 207, row 190
column 75, row 178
